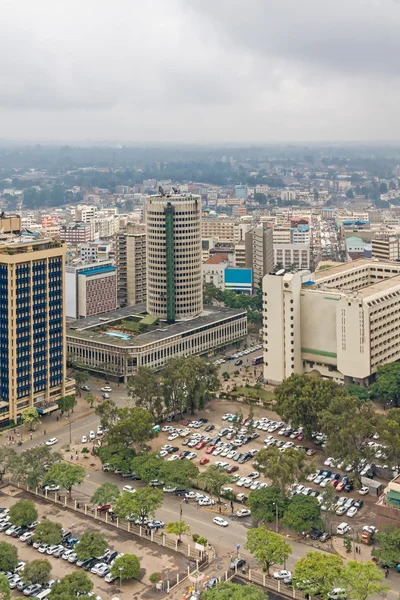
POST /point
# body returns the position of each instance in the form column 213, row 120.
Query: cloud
column 199, row 70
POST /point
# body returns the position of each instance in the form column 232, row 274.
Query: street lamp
column 180, row 518
column 69, row 423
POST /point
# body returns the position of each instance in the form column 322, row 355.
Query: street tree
column 140, row 505
column 81, row 377
column 90, row 399
column 107, row 493
column 387, row 550
column 48, row 532
column 133, row 429
column 387, row 384
column 66, row 403
column 282, row 468
column 117, row 455
column 91, row 544
column 23, row 513
column 107, row 411
column 126, row 567
column 71, row 586
column 37, row 571
column 263, row 503
column 146, row 392
column 213, row 480
column 7, row 458
column 8, row 557
column 233, row 591
column 329, row 504
column 178, row 528
column 317, row 573
column 357, row 391
column 180, row 472
column 64, row 475
column 388, row 427
column 267, row 547
column 302, row 514
column 30, row 418
column 147, row 466
column 362, row 580
column 5, row 592
column 300, row 400
column 34, row 463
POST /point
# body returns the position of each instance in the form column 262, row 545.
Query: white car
column 106, row 388
column 243, row 512
column 51, row 549
column 318, row 479
column 52, row 441
column 169, row 489
column 312, row 476
column 206, row 502
column 190, row 495
column 99, row 430
column 282, row 574
column 128, row 488
column 84, row 439
column 329, row 462
column 173, row 436
column 92, row 435
column 52, row 488
column 26, row 536
column 220, row 521
column 254, row 486
column 163, row 453
column 173, row 457
column 363, row 491
column 191, row 455
column 370, row 528
column 352, row 511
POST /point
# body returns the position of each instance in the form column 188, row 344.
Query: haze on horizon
column 200, row 71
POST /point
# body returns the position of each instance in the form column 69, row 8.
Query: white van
column 343, row 528
column 42, row 594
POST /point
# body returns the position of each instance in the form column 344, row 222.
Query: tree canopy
column 126, row 567
column 233, row 591
column 180, row 472
column 263, row 501
column 30, row 417
column 70, row 586
column 267, row 547
column 147, row 466
column 318, row 573
column 282, row 468
column 107, row 493
column 47, row 532
column 64, row 475
column 91, row 544
column 23, row 513
column 140, row 505
column 8, row 557
column 302, row 514
column 387, row 384
column 5, row 592
column 362, row 580
column 213, row 480
column 145, row 390
column 387, row 550
column 37, row 571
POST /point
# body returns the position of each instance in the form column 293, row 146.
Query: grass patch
column 251, row 392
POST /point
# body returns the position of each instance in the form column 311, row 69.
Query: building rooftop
column 210, row 315
column 98, row 270
column 216, row 259
column 379, row 287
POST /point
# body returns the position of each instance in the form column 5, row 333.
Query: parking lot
column 152, row 559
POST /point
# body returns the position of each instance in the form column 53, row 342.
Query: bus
column 257, row 360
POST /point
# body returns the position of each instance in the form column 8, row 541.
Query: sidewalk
column 364, row 555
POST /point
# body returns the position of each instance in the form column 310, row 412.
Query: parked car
column 282, row 574
column 243, row 512
column 236, row 563
column 220, row 521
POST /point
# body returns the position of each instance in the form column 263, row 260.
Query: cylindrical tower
column 174, row 278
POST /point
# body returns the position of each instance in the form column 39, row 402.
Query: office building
column 240, row 255
column 32, row 325
column 239, row 281
column 241, row 191
column 220, row 229
column 259, row 253
column 213, row 270
column 91, row 289
column 386, row 248
column 174, row 277
column 131, row 263
column 341, row 322
column 77, row 233
column 288, row 255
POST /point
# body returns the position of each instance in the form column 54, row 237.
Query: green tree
column 66, row 403
column 108, row 493
column 318, row 573
column 363, row 580
column 107, row 411
column 260, row 198
column 383, row 188
column 300, row 399
column 91, row 544
column 81, row 377
column 8, row 557
column 34, row 463
column 178, row 528
column 302, row 514
column 5, row 592
column 48, row 532
column 70, row 586
column 388, row 550
column 90, row 399
column 147, row 466
column 387, row 384
column 37, row 571
column 134, row 428
column 145, row 390
column 349, row 193
column 23, row 513
column 140, row 505
column 117, row 455
column 182, row 472
column 389, row 432
column 126, row 567
column 213, row 480
column 30, row 418
column 263, row 502
column 357, row 391
column 233, row 591
column 267, row 547
column 282, row 468
column 64, row 475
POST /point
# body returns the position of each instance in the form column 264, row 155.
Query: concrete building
column 241, row 191
column 120, row 355
column 213, row 270
column 131, row 262
column 220, row 229
column 282, row 235
column 77, row 233
column 174, row 277
column 355, row 247
column 32, row 325
column 238, row 280
column 292, row 254
column 85, row 213
column 95, row 251
column 259, row 252
column 387, row 248
column 91, row 289
column 388, row 505
column 240, row 255
column 341, row 322
column 300, row 235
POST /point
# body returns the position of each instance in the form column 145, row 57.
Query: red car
column 340, row 486
column 300, row 437
column 232, row 469
column 103, row 507
column 204, row 461
column 186, row 422
column 244, row 421
column 200, row 445
column 211, row 449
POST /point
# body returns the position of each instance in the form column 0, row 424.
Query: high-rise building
column 91, row 289
column 259, row 252
column 174, row 277
column 32, row 325
column 131, row 262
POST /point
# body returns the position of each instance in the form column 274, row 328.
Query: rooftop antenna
column 160, row 189
column 175, row 190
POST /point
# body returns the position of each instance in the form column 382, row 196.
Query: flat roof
column 210, row 315
column 377, row 288
column 102, row 319
column 97, row 270
column 354, row 265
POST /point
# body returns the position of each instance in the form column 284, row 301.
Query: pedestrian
column 76, row 451
column 30, row 435
column 72, row 457
column 57, row 418
column 44, row 432
column 219, row 510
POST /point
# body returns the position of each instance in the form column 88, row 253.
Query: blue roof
column 236, row 275
column 98, row 270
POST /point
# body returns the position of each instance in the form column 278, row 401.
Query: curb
column 87, row 468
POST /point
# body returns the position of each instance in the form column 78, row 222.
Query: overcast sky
column 200, row 70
